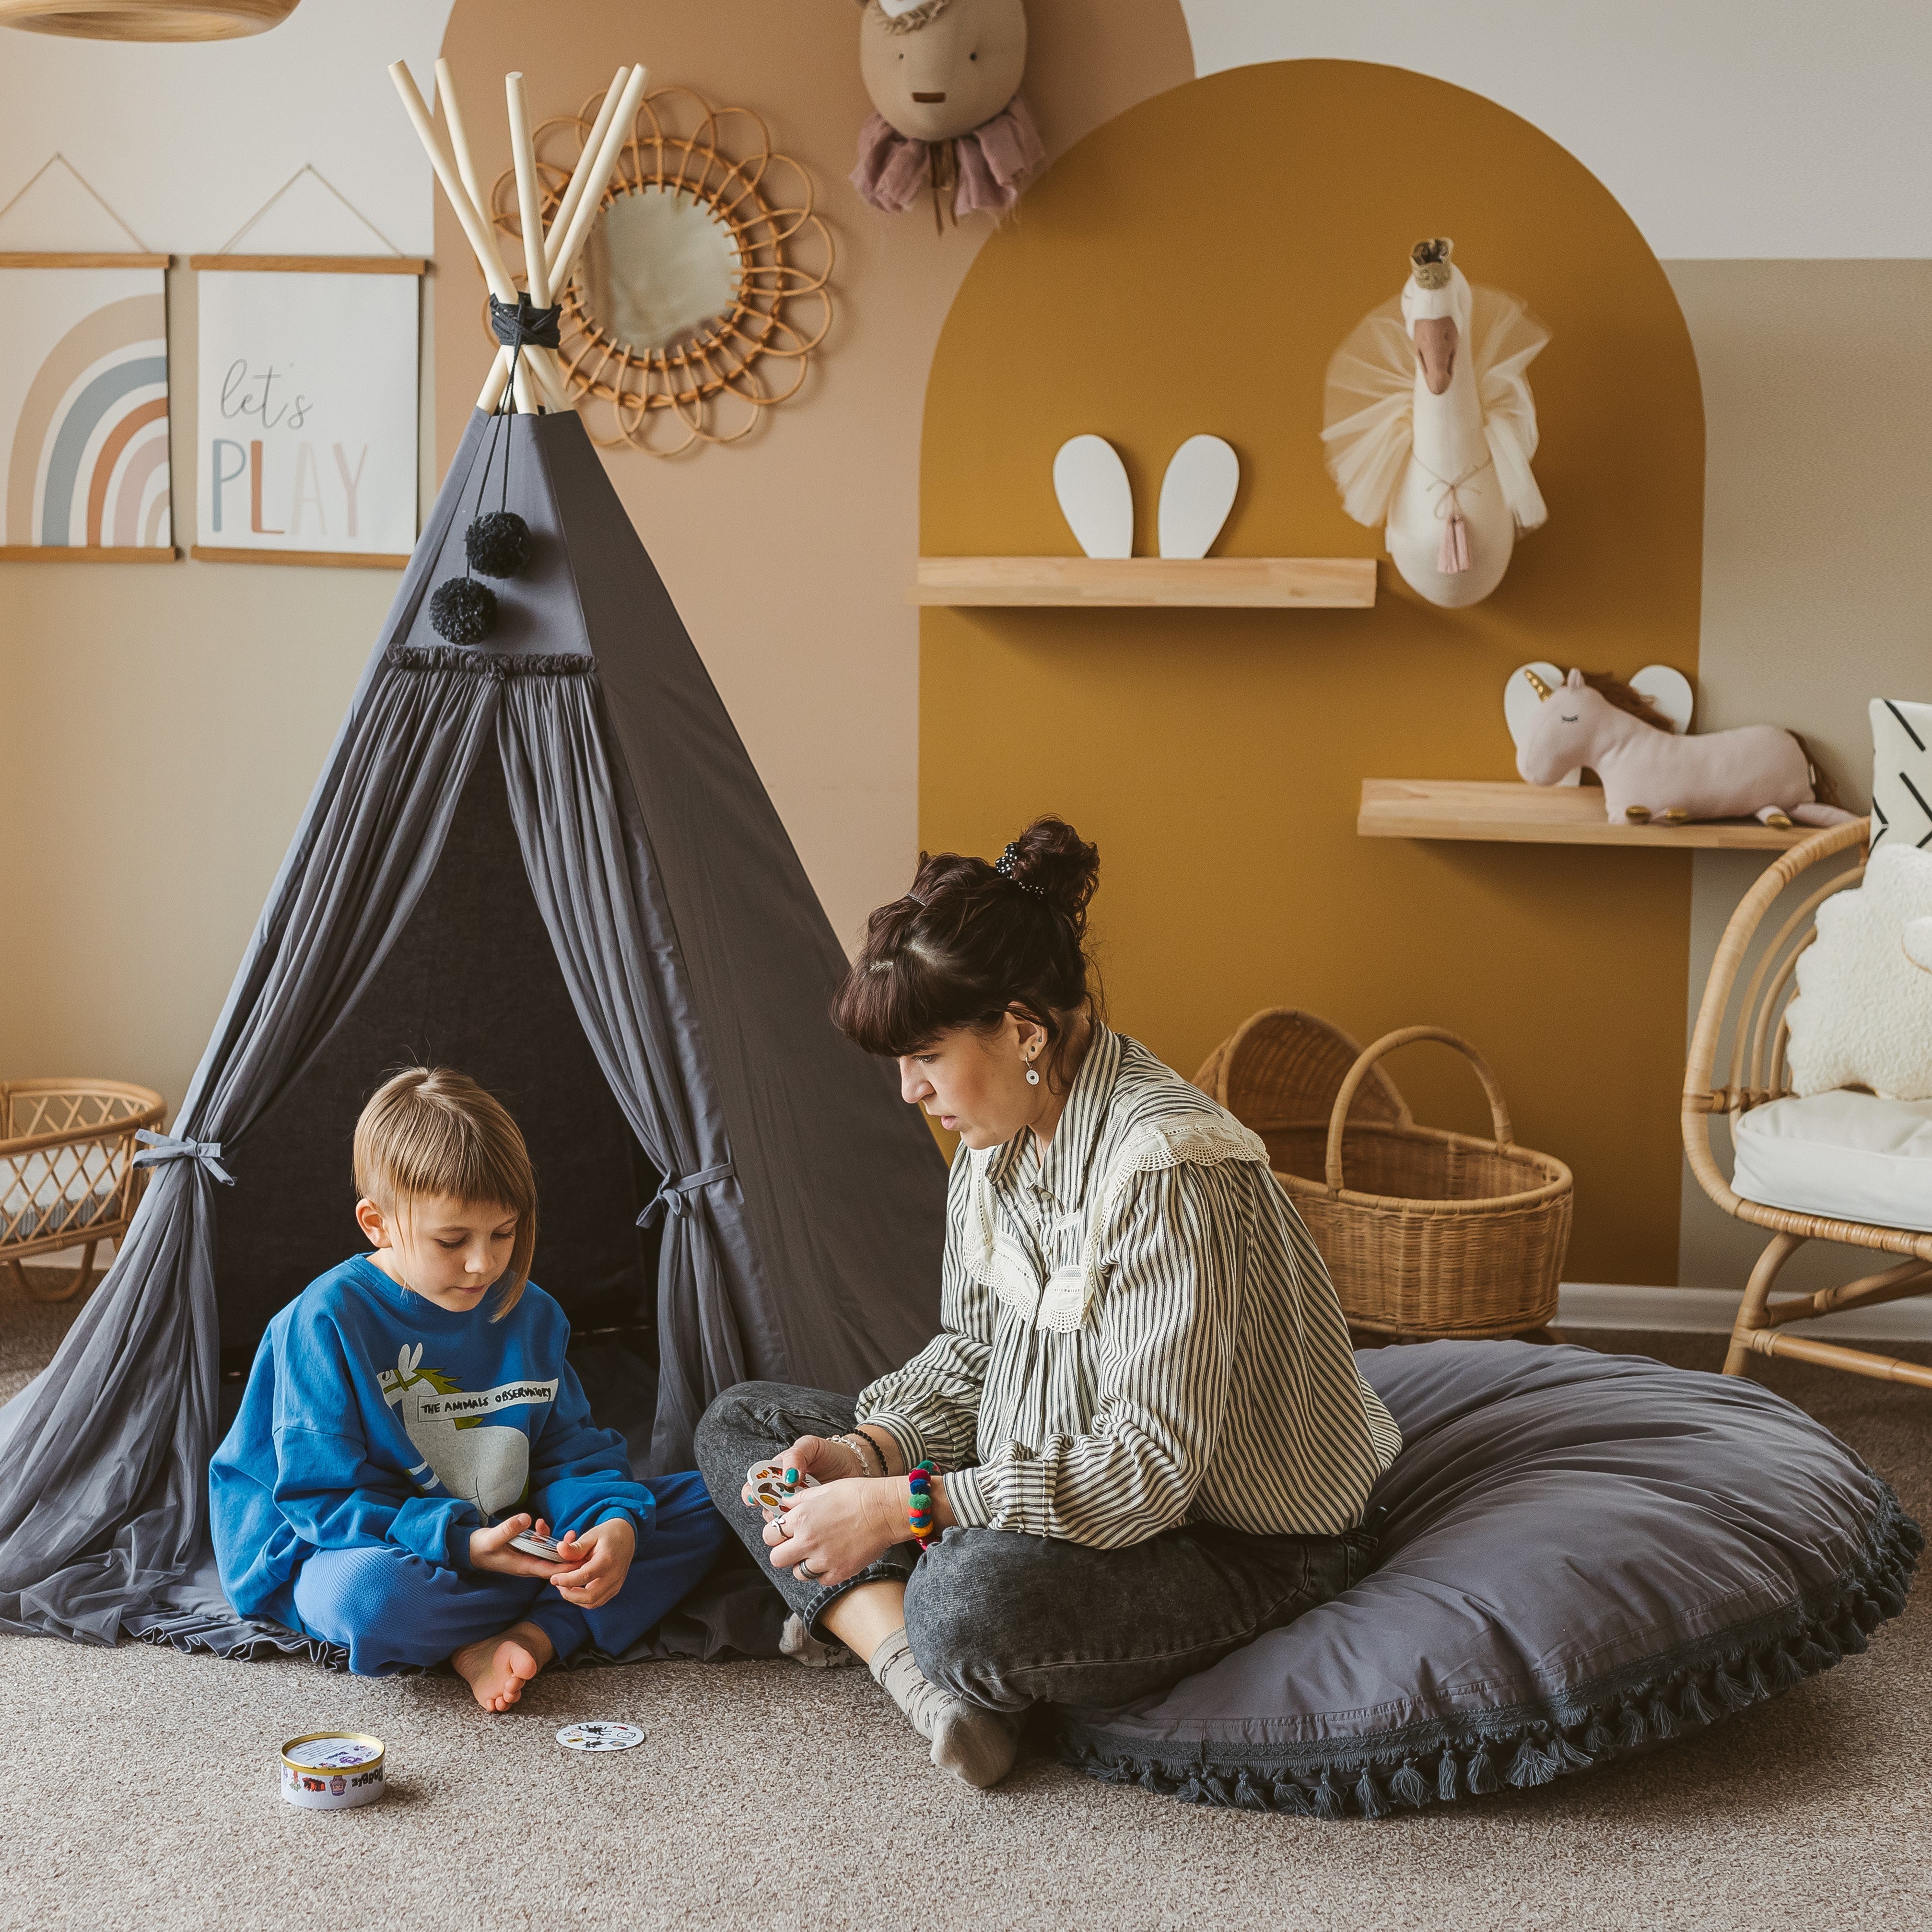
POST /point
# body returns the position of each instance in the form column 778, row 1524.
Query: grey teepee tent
column 666, row 940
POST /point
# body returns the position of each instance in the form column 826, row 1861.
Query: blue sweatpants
column 390, row 1609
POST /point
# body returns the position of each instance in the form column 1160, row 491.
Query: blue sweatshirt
column 372, row 1416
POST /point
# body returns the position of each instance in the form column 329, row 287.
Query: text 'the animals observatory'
column 944, row 76
column 1430, row 427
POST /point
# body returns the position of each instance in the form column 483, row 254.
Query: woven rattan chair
column 1754, row 1026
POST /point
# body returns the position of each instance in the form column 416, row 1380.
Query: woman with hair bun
column 1140, row 1439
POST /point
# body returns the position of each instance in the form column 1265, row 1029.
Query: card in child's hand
column 531, row 1544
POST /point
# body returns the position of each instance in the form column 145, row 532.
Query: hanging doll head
column 937, row 69
column 944, row 78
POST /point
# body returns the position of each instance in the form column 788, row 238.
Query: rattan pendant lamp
column 146, row 19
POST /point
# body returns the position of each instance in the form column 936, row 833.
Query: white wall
column 186, row 141
column 1727, row 128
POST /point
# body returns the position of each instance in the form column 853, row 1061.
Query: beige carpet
column 138, row 1789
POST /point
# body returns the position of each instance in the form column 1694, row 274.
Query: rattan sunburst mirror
column 704, row 286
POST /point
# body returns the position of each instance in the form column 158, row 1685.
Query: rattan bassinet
column 1425, row 1232
column 67, row 1177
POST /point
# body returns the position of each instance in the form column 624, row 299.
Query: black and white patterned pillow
column 1901, row 773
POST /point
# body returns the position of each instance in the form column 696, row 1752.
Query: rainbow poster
column 84, row 410
column 306, row 415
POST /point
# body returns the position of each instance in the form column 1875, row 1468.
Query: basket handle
column 1401, row 1037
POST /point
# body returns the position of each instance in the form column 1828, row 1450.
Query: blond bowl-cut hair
column 430, row 1131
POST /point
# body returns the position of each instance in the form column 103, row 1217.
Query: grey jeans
column 1008, row 1620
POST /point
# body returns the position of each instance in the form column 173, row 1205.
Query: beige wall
column 160, row 728
column 788, row 554
column 1817, row 573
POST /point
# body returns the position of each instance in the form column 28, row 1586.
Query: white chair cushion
column 1852, row 1156
column 1863, row 1016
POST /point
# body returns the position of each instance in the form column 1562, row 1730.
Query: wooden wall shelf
column 1540, row 815
column 1219, row 582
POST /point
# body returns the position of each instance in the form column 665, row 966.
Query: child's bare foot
column 497, row 1669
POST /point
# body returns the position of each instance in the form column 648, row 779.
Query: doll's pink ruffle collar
column 993, row 161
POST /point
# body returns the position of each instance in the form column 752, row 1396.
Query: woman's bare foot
column 497, row 1669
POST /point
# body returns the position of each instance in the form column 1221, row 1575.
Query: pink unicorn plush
column 1650, row 773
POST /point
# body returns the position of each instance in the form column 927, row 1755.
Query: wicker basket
column 1435, row 1233
column 67, row 1177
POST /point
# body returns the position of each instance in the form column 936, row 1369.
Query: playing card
column 600, row 1737
column 769, row 1489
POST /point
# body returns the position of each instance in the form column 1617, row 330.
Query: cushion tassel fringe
column 1375, row 1784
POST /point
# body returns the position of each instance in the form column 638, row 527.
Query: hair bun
column 1052, row 860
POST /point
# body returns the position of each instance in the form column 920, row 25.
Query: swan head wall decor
column 944, row 78
column 1429, row 427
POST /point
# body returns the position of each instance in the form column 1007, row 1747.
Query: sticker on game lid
column 331, row 1770
column 601, row 1737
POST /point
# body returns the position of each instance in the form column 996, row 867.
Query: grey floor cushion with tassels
column 1584, row 1555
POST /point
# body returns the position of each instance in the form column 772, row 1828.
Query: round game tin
column 330, row 1771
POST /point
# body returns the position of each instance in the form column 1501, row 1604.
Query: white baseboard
column 1594, row 1304
column 1710, row 1311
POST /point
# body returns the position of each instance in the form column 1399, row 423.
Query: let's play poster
column 307, row 413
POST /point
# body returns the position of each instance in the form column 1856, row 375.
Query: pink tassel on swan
column 1452, row 554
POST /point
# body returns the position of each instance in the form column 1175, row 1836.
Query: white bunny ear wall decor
column 1202, row 480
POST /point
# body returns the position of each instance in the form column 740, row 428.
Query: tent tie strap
column 173, row 1146
column 673, row 1196
column 522, row 324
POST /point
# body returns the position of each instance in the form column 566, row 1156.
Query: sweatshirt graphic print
column 483, row 1463
column 374, row 1417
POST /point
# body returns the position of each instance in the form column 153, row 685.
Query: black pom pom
column 462, row 613
column 498, row 544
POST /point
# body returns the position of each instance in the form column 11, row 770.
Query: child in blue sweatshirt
column 411, row 1411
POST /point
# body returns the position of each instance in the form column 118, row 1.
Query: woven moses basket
column 1425, row 1232
column 67, row 1177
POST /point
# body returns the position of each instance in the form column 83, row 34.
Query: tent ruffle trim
column 1661, row 1697
column 488, row 663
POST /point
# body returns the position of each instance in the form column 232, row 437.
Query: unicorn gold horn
column 1536, row 684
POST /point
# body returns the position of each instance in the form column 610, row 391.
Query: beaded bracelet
column 921, row 1519
column 860, row 1444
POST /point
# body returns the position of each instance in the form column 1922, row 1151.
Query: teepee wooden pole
column 542, row 361
column 594, row 170
column 530, row 210
column 459, row 139
column 580, row 176
column 605, row 166
column 481, row 242
column 530, row 204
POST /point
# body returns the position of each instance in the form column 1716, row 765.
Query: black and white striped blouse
column 1138, row 1332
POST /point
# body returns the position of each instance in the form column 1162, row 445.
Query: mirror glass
column 658, row 265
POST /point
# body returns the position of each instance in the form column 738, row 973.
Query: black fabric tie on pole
column 525, row 326
column 673, row 1195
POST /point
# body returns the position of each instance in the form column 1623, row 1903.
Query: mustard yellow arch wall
column 1190, row 266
